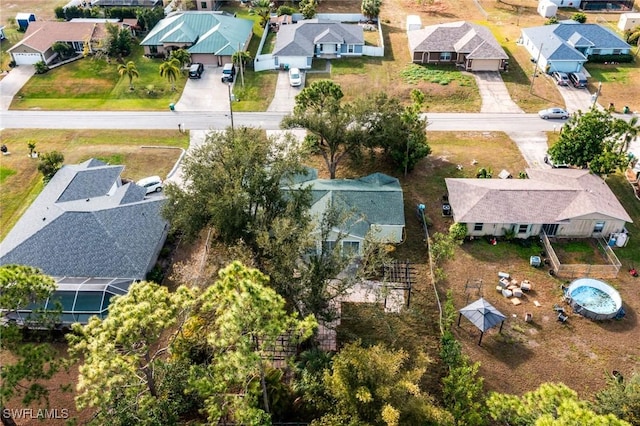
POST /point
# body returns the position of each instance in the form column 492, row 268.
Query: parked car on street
column 196, row 70
column 151, row 184
column 295, row 77
column 553, row 113
column 561, row 78
column 578, row 80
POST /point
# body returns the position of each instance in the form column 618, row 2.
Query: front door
column 550, row 229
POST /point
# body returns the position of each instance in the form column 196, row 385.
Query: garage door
column 486, row 65
column 26, row 58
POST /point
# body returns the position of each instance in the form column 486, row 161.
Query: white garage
column 26, row 58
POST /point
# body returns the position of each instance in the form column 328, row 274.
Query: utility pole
column 596, row 94
column 535, row 69
column 230, row 106
column 241, row 60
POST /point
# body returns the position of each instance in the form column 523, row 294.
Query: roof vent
column 44, row 218
column 88, row 200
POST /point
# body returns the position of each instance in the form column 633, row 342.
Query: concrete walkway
column 13, row 82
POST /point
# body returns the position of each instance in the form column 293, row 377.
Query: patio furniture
column 525, row 285
column 504, row 275
column 504, row 282
column 507, row 293
column 562, row 317
column 535, row 261
column 517, row 292
column 516, row 301
column 528, row 317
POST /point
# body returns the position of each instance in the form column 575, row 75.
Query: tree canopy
column 371, row 8
column 593, row 139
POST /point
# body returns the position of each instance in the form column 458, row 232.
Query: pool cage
column 78, row 299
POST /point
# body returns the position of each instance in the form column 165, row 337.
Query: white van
column 151, row 184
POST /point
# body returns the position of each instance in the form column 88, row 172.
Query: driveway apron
column 494, row 93
column 12, row 82
column 207, row 93
column 284, row 98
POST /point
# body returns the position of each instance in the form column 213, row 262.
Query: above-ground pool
column 594, row 299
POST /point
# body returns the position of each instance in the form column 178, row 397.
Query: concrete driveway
column 494, row 93
column 576, row 99
column 208, row 93
column 284, row 98
column 11, row 84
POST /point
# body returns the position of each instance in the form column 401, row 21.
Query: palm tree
column 182, row 55
column 630, row 131
column 171, row 70
column 129, row 69
column 261, row 8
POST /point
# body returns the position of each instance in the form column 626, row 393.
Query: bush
column 286, row 10
column 41, row 67
column 458, row 231
column 579, row 17
column 600, row 59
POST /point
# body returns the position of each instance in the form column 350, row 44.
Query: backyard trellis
column 400, row 276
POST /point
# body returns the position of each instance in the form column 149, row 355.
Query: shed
column 628, row 21
column 413, row 22
column 23, row 19
column 547, row 9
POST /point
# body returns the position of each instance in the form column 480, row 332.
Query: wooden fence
column 571, row 271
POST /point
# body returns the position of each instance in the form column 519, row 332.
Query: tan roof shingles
column 41, row 35
column 548, row 196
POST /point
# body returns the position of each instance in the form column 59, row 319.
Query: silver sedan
column 553, row 113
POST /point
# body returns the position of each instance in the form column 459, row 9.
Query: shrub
column 458, row 231
column 600, row 59
column 286, row 10
column 41, row 67
column 579, row 17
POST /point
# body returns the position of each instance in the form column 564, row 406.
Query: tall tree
column 308, row 8
column 170, row 69
column 148, row 17
column 552, row 404
column 240, row 318
column 399, row 130
column 130, row 70
column 319, row 110
column 33, row 363
column 119, row 41
column 620, row 397
column 371, row 8
column 122, row 354
column 590, row 139
column 379, row 386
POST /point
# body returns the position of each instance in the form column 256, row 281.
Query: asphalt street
column 205, row 120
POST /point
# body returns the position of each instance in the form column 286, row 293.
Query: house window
column 523, row 229
column 351, row 247
column 616, row 51
column 478, row 227
column 328, row 246
column 445, row 56
column 203, row 4
column 350, row 48
column 595, row 51
column 598, row 228
column 153, row 49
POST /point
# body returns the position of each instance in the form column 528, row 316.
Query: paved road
column 194, row 120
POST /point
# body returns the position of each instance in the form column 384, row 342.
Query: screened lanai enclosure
column 77, row 299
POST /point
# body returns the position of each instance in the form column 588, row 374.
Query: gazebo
column 483, row 315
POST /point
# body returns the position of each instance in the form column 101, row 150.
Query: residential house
column 470, row 46
column 374, row 204
column 210, row 37
column 126, row 3
column 595, row 5
column 568, row 45
column 92, row 232
column 297, row 44
column 560, row 202
column 37, row 43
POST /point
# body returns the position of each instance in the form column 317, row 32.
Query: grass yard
column 21, row 181
column 94, row 84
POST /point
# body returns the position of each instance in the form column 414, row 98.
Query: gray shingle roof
column 376, row 199
column 207, row 32
column 463, row 37
column 558, row 40
column 548, row 196
column 85, row 223
column 299, row 39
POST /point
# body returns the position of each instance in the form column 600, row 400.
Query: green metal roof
column 208, row 32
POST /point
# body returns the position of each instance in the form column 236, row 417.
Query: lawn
column 94, row 84
column 21, row 181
